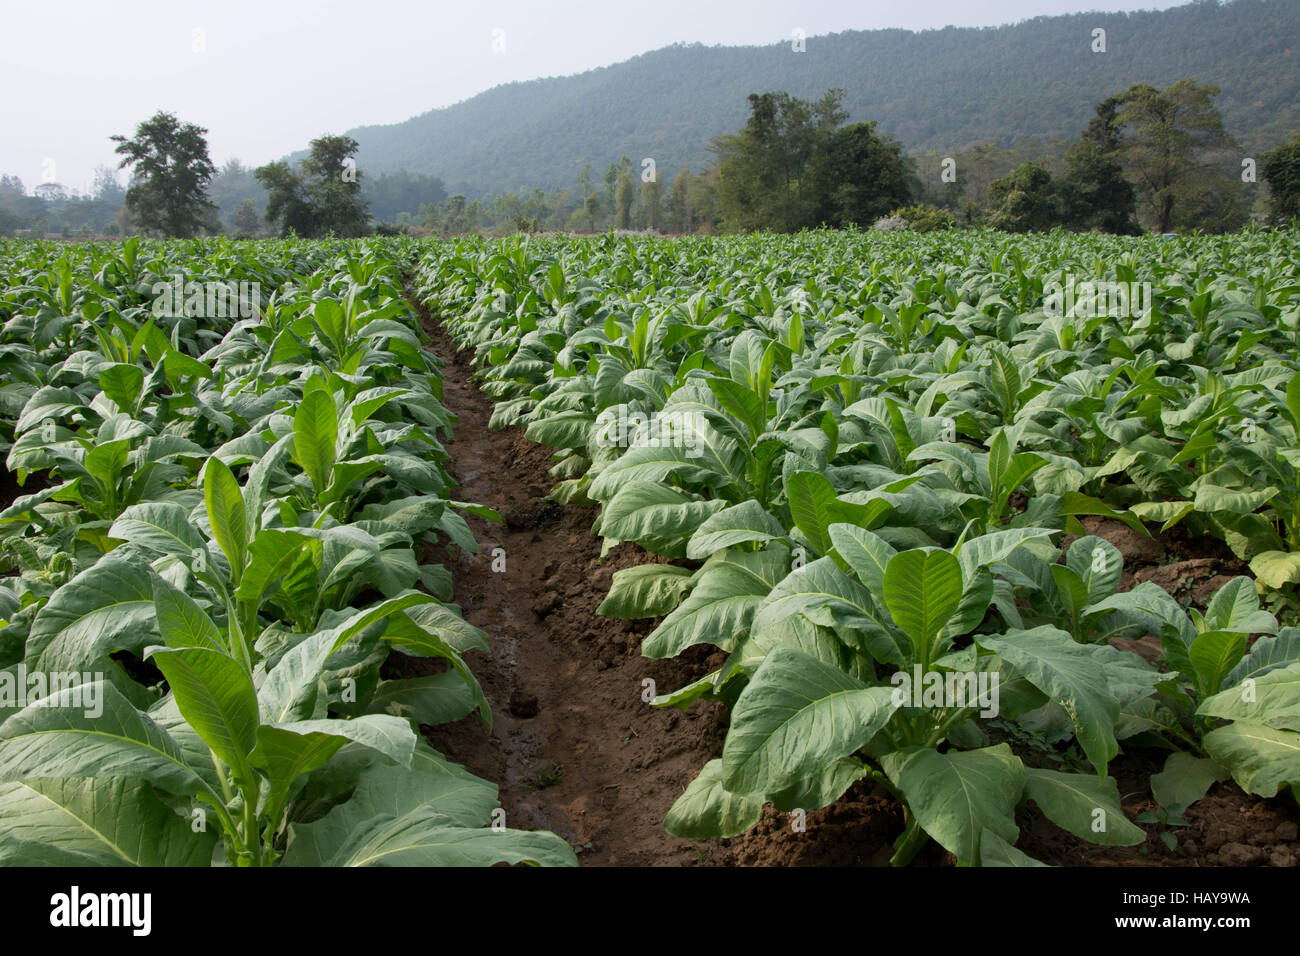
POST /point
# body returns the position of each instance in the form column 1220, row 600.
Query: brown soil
column 576, row 750
column 1191, row 569
column 11, row 491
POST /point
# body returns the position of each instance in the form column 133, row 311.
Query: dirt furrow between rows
column 573, row 745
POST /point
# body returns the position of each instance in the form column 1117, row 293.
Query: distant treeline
column 1153, row 159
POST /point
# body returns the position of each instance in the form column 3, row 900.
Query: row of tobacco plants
column 231, row 463
column 864, row 454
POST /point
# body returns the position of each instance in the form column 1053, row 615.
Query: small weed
column 547, row 778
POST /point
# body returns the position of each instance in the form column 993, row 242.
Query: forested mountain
column 936, row 90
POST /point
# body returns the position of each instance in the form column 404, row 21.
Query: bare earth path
column 572, row 745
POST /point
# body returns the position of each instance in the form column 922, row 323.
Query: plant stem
column 910, row 843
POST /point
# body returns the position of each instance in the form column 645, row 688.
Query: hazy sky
column 266, row 77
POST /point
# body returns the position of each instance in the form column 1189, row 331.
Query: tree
column 1168, row 146
column 246, row 220
column 51, row 192
column 322, row 196
column 623, row 201
column 764, row 179
column 650, row 192
column 286, row 201
column 1281, row 168
column 169, row 177
column 611, row 187
column 591, row 206
column 107, row 189
column 679, row 201
column 231, row 186
column 858, row 176
column 1095, row 192
column 1024, row 201
column 333, row 186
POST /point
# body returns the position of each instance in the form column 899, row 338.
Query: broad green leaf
column 733, row 525
column 1087, row 807
column 122, row 383
column 1213, row 655
column 646, row 590
column 389, row 735
column 866, row 553
column 812, row 501
column 1260, row 759
column 995, row 851
column 922, row 590
column 1277, row 569
column 722, row 605
column 61, row 736
column 284, row 756
column 1235, row 607
column 1184, row 780
column 1069, row 674
column 217, row 699
column 655, row 517
column 181, row 622
column 1266, row 654
column 315, row 434
column 107, row 607
column 707, row 809
column 1155, row 605
column 1273, row 698
column 160, row 526
column 956, row 796
column 797, row 716
column 225, row 504
column 273, row 554
column 991, row 548
column 404, row 818
column 1216, row 498
column 101, row 821
column 437, row 699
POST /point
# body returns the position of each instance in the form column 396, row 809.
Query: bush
column 923, row 218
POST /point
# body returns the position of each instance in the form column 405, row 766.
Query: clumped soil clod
column 576, row 749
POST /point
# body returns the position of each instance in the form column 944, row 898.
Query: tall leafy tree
column 1096, row 194
column 679, row 199
column 321, row 196
column 651, row 190
column 792, row 166
column 1281, row 169
column 623, row 197
column 1170, row 138
column 170, row 172
column 859, row 176
column 286, row 199
column 334, row 186
column 246, row 221
column 1025, row 200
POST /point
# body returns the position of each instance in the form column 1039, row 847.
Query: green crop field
column 914, row 498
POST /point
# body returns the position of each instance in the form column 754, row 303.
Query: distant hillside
column 939, row 90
